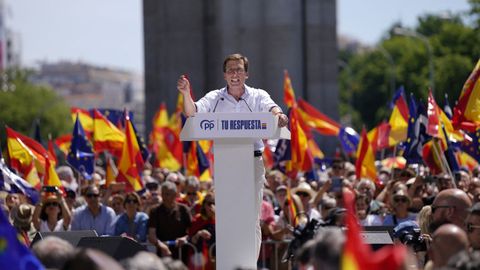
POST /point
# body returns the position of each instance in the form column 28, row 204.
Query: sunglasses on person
column 400, row 199
column 131, row 201
column 55, row 204
column 434, row 208
column 303, row 194
column 92, row 195
column 471, row 227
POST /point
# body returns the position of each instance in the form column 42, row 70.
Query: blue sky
column 109, row 32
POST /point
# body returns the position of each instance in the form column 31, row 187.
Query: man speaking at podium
column 237, row 97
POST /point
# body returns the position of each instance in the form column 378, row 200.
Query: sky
column 109, row 33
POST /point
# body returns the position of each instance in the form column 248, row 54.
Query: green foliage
column 366, row 85
column 21, row 107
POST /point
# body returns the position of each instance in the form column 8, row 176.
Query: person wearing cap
column 306, row 194
column 399, row 203
column 52, row 213
column 236, row 96
column 22, row 221
column 472, row 224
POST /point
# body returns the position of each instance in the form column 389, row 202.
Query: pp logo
column 207, row 124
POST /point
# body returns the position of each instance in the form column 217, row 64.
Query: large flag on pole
column 399, row 118
column 129, row 170
column 106, row 136
column 466, row 113
column 365, row 164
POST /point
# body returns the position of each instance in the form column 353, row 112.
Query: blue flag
column 450, row 154
column 282, row 154
column 13, row 254
column 81, row 156
column 349, row 139
column 472, row 147
column 417, row 132
column 12, row 183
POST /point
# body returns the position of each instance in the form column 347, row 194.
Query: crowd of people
column 176, row 214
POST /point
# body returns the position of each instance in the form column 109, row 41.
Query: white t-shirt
column 58, row 227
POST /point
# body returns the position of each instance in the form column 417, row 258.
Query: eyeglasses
column 400, row 199
column 131, row 201
column 92, row 195
column 55, row 204
column 434, row 208
column 235, row 70
column 471, row 227
column 303, row 194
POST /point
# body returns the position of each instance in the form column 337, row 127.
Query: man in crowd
column 237, row 97
column 169, row 222
column 94, row 215
column 450, row 206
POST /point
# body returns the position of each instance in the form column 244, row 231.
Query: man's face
column 440, row 212
column 93, row 198
column 235, row 74
column 168, row 197
column 473, row 232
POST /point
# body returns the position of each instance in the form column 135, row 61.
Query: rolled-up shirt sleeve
column 207, row 103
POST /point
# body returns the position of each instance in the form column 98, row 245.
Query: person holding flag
column 236, row 96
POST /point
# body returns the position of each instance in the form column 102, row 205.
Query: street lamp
column 406, row 32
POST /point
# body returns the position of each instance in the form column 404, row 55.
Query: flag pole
column 443, row 160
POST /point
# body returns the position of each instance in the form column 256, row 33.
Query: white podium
column 234, row 135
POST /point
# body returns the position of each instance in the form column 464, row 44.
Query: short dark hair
column 235, row 57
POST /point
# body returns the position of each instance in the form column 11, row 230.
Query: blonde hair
column 424, row 218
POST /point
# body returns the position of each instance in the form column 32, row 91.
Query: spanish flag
column 128, row 169
column 365, row 164
column 466, row 114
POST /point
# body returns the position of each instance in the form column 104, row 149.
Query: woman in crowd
column 202, row 231
column 132, row 222
column 399, row 203
column 52, row 214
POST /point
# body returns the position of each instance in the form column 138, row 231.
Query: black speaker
column 377, row 236
column 73, row 237
column 117, row 247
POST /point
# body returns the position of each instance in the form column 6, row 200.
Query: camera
column 414, row 239
column 301, row 234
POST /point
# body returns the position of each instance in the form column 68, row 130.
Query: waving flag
column 51, row 149
column 349, row 139
column 289, row 94
column 433, row 156
column 129, row 170
column 438, row 119
column 399, row 118
column 63, row 143
column 417, row 132
column 13, row 254
column 111, row 171
column 12, row 183
column 22, row 158
column 317, row 120
column 365, row 164
column 466, row 113
column 81, row 156
column 44, row 163
column 165, row 141
column 106, row 136
column 85, row 118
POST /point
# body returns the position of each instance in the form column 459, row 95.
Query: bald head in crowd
column 447, row 241
column 450, row 206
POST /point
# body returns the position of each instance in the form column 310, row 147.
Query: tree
column 455, row 47
column 26, row 103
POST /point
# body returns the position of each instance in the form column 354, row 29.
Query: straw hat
column 22, row 215
column 304, row 187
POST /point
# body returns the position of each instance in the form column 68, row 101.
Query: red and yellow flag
column 106, row 136
column 288, row 93
column 85, row 119
column 466, row 113
column 128, row 169
column 63, row 143
column 317, row 120
column 365, row 164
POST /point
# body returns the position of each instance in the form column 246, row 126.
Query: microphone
column 214, row 108
column 247, row 104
